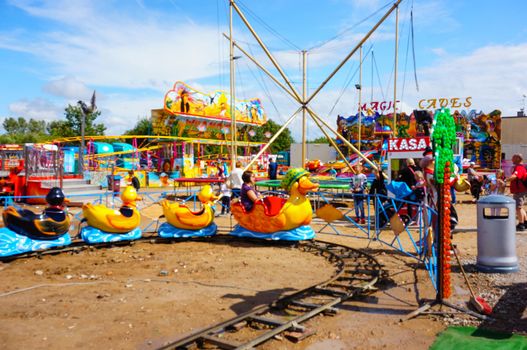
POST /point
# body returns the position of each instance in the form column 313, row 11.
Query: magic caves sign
column 415, row 144
column 443, row 102
column 425, row 103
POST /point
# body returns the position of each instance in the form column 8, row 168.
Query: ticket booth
column 400, row 149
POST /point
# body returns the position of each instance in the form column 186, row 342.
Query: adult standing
column 235, row 179
column 427, row 164
column 519, row 190
column 219, row 167
column 407, row 174
column 273, row 169
column 378, row 191
column 358, row 185
column 497, row 186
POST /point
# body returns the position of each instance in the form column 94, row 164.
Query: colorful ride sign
column 185, row 101
column 414, row 144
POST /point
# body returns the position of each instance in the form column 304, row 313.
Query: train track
column 355, row 273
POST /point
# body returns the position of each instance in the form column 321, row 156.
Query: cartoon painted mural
column 183, row 99
column 481, row 132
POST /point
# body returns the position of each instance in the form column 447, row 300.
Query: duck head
column 55, row 197
column 206, row 195
column 129, row 196
column 298, row 179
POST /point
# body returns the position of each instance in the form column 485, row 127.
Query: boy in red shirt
column 519, row 191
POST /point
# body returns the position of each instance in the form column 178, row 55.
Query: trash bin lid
column 496, row 199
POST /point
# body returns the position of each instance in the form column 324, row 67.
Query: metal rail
column 356, row 273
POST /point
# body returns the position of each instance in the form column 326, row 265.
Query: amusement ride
column 286, row 216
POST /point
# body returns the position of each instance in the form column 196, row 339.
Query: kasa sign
column 415, row 144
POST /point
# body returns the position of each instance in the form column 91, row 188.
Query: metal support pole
column 259, row 65
column 81, row 148
column 264, row 148
column 332, row 142
column 304, row 94
column 346, row 142
column 360, row 96
column 395, row 72
column 267, row 52
column 232, row 91
column 353, row 51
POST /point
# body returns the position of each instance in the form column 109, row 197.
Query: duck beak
column 305, row 185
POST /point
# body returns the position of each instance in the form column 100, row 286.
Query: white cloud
column 68, row 87
column 38, row 109
column 492, row 75
column 99, row 46
column 120, row 112
column 439, row 51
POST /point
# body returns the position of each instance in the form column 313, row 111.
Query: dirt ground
column 143, row 295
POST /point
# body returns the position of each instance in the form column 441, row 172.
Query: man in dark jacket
column 273, row 167
column 407, row 174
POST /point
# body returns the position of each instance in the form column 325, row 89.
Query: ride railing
column 387, row 220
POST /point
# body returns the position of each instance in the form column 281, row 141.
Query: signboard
column 182, row 100
column 414, row 144
column 444, row 102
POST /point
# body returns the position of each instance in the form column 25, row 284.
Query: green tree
column 72, row 125
column 321, row 139
column 19, row 130
column 60, row 128
column 36, row 127
column 15, row 126
column 21, row 126
column 142, row 127
column 283, row 141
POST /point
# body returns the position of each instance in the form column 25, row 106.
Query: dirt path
column 143, row 295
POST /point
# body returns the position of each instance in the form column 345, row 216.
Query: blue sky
column 55, row 52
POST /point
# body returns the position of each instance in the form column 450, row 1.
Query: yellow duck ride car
column 277, row 218
column 110, row 225
column 183, row 222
